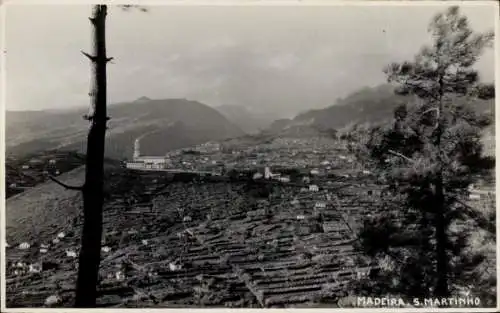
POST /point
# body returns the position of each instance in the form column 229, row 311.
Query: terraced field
column 201, row 244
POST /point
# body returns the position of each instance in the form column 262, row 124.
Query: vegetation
column 430, row 155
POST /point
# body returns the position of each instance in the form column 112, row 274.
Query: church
column 147, row 162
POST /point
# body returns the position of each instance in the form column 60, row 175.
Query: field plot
column 197, row 244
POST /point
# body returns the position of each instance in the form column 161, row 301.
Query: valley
column 198, row 241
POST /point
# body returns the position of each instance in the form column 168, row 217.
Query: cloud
column 283, row 62
column 287, row 59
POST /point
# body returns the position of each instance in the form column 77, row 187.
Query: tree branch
column 60, row 183
column 477, row 217
column 91, row 58
column 431, row 109
column 127, row 7
column 401, row 155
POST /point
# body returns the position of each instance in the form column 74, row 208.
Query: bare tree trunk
column 442, row 289
column 93, row 198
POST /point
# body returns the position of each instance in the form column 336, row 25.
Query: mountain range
column 162, row 125
column 169, row 124
column 367, row 105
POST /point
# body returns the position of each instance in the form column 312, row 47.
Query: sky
column 284, row 59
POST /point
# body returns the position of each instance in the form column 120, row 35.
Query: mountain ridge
column 27, row 132
column 368, row 105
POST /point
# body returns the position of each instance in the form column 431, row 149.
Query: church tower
column 267, row 173
column 137, row 148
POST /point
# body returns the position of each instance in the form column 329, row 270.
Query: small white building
column 314, row 172
column 474, row 196
column 284, row 179
column 314, row 188
column 257, row 176
column 320, row 205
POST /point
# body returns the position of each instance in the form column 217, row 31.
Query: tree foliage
column 429, row 156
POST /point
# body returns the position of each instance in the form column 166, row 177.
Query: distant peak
column 143, row 99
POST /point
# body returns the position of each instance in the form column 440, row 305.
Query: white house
column 284, row 179
column 320, row 205
column 314, row 172
column 474, row 196
column 313, row 188
column 257, row 176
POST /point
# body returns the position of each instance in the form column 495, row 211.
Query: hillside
column 368, row 105
column 164, row 125
column 249, row 251
column 248, row 120
column 280, row 124
column 24, row 173
column 205, row 243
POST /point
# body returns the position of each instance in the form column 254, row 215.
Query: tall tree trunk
column 439, row 220
column 93, row 197
column 441, row 256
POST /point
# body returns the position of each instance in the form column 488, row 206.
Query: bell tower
column 137, row 149
column 267, row 173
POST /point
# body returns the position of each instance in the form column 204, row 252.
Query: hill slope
column 368, row 105
column 163, row 124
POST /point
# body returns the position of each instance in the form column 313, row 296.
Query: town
column 221, row 239
column 323, row 157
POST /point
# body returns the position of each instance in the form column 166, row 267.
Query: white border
column 441, row 3
column 495, row 8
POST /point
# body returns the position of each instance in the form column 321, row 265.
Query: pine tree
column 429, row 156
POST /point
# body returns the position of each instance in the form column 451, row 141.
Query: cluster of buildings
column 140, row 162
column 270, row 175
column 317, row 159
column 25, row 173
column 193, row 159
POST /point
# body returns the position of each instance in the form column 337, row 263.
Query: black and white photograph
column 248, row 154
